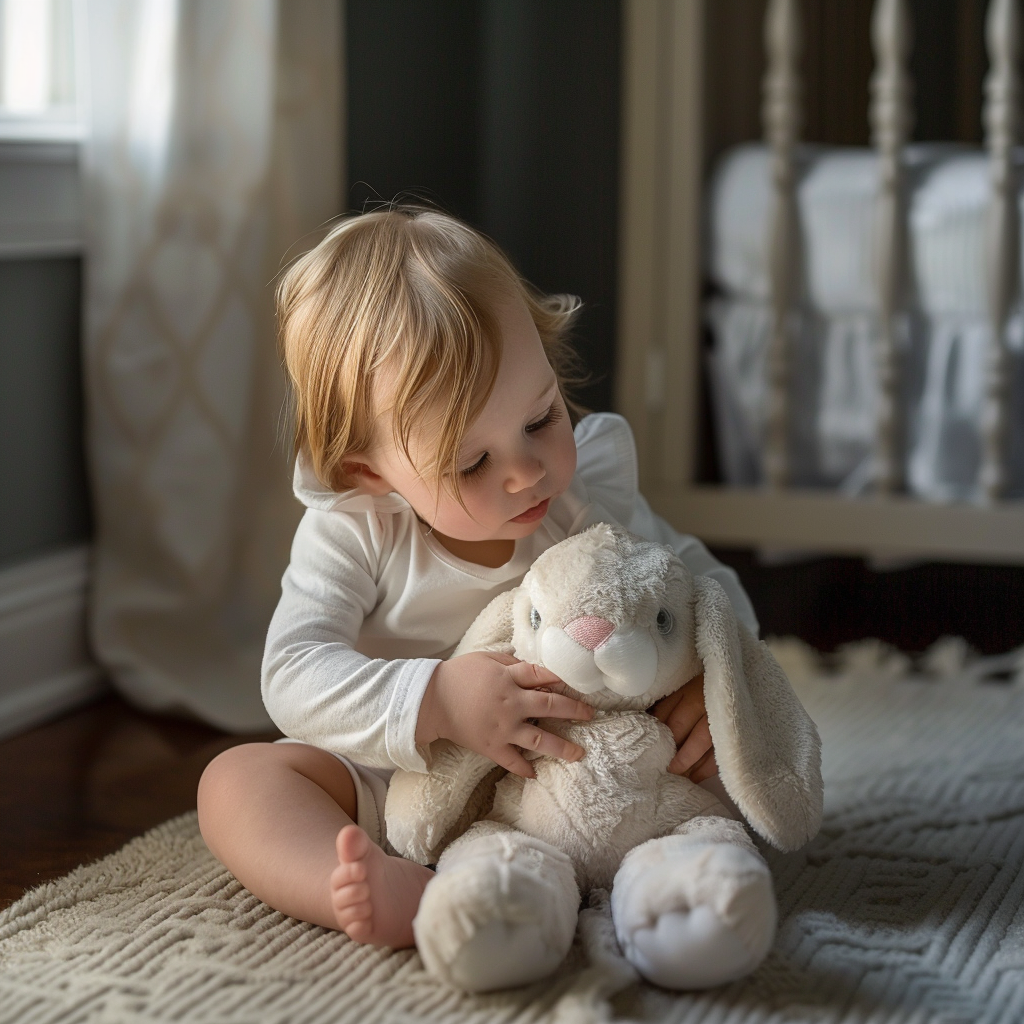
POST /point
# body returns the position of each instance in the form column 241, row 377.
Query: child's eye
column 551, row 416
column 478, row 467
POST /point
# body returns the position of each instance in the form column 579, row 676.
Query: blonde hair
column 409, row 293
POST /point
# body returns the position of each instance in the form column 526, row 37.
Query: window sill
column 40, row 196
column 13, row 130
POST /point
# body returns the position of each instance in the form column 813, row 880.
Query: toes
column 353, row 844
column 347, row 873
column 356, row 913
column 359, row 931
column 350, row 895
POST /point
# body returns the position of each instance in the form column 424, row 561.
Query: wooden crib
column 659, row 373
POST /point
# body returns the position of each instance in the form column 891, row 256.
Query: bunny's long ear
column 766, row 746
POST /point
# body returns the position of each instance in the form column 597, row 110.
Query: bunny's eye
column 535, row 618
column 664, row 621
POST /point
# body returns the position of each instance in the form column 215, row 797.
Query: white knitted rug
column 908, row 907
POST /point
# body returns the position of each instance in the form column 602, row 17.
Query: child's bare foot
column 375, row 896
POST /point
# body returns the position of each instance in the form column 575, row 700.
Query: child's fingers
column 530, row 676
column 682, row 710
column 683, row 718
column 667, row 705
column 544, row 704
column 512, row 760
column 502, row 659
column 694, row 747
column 705, row 768
column 532, row 737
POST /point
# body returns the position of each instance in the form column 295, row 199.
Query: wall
column 45, row 664
column 43, row 495
column 506, row 113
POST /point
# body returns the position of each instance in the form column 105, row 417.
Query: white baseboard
column 45, row 664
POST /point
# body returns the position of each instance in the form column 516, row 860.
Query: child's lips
column 531, row 515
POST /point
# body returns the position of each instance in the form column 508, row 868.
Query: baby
column 437, row 458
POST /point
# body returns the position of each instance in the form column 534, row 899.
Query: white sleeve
column 695, row 557
column 316, row 687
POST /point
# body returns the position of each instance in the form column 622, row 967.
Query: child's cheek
column 568, row 455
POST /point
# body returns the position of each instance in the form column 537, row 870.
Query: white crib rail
column 660, row 312
column 1002, row 112
column 781, row 112
column 891, row 119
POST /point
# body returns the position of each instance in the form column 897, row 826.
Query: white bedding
column 948, row 192
column 942, row 338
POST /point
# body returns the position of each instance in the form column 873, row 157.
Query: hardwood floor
column 78, row 788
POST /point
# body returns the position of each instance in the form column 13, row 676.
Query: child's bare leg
column 280, row 817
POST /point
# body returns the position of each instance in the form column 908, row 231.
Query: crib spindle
column 1002, row 111
column 781, row 115
column 891, row 118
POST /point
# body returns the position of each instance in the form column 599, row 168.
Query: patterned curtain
column 214, row 145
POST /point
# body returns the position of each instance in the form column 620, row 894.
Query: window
column 38, row 94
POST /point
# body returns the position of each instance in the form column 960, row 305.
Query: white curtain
column 214, row 145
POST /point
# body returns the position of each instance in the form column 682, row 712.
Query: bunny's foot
column 691, row 912
column 501, row 910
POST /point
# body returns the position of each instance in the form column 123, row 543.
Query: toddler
column 437, row 457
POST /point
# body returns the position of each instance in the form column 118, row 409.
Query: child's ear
column 363, row 475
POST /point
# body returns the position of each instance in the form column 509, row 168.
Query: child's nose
column 525, row 473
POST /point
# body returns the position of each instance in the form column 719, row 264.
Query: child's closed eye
column 553, row 415
column 478, row 467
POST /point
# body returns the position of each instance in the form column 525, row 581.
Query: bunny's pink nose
column 590, row 631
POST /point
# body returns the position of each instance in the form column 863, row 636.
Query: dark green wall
column 43, row 496
column 506, row 113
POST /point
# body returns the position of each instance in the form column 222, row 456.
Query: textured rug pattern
column 909, row 907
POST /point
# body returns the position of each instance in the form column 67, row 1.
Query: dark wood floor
column 77, row 788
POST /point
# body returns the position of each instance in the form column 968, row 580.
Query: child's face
column 518, row 454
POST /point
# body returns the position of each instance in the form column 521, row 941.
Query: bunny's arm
column 426, row 811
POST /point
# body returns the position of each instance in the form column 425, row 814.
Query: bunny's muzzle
column 590, row 654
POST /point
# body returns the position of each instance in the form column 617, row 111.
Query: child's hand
column 488, row 703
column 684, row 713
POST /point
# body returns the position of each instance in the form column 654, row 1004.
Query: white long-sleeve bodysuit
column 371, row 602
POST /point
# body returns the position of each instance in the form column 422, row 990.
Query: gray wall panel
column 43, row 495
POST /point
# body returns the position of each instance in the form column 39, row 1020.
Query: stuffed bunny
column 624, row 623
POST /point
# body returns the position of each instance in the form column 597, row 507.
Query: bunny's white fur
column 624, row 623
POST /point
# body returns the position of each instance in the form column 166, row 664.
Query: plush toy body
column 621, row 791
column 624, row 623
